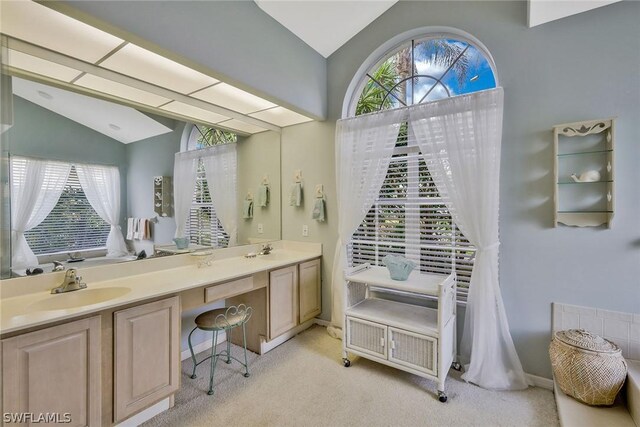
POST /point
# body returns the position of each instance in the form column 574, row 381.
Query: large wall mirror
column 91, row 155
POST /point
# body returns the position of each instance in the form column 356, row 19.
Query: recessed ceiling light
column 44, row 94
column 39, row 25
column 114, row 127
column 145, row 65
column 233, row 98
column 195, row 112
column 281, row 116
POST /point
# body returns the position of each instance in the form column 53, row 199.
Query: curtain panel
column 101, row 185
column 221, row 171
column 364, row 146
column 36, row 186
column 460, row 140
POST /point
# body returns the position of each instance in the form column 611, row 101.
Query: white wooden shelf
column 404, row 316
column 581, row 147
column 419, row 283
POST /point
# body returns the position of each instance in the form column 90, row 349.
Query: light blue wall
column 233, row 38
column 583, row 67
column 40, row 133
column 148, row 158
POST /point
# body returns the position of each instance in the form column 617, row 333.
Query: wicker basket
column 587, row 367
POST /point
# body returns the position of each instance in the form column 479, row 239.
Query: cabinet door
column 415, row 351
column 367, row 337
column 283, row 300
column 310, row 297
column 56, row 371
column 146, row 355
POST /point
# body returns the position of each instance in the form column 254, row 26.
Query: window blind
column 409, row 218
column 203, row 226
column 73, row 225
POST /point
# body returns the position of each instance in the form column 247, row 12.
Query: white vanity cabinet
column 56, row 371
column 146, row 355
column 408, row 336
column 310, row 289
column 283, row 300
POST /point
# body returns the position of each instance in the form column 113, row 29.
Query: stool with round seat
column 218, row 320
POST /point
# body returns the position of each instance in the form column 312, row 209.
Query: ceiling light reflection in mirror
column 121, row 90
column 27, row 20
column 41, row 67
column 281, row 116
column 187, row 110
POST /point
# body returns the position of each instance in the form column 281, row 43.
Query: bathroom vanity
column 106, row 353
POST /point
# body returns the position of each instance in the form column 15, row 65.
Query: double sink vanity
column 107, row 352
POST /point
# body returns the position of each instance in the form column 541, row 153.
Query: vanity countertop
column 33, row 309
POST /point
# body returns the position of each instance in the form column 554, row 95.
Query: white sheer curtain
column 36, row 186
column 460, row 140
column 364, row 146
column 221, row 170
column 185, row 169
column 101, row 185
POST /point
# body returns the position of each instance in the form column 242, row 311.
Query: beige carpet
column 303, row 383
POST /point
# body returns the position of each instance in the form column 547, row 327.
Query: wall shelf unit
column 578, row 148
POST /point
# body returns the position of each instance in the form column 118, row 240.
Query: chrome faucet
column 266, row 249
column 72, row 282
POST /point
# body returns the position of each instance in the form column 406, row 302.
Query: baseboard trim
column 206, row 345
column 146, row 414
column 542, row 382
column 321, row 322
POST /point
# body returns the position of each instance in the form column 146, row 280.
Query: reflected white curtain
column 364, row 146
column 460, row 140
column 185, row 169
column 221, row 171
column 36, row 186
column 101, row 185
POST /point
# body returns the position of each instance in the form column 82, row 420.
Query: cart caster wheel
column 193, row 377
column 442, row 397
column 246, row 375
column 456, row 366
column 346, row 362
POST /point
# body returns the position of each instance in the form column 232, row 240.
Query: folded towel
column 129, row 228
column 136, row 228
column 263, row 196
column 247, row 209
column 295, row 195
column 318, row 210
column 147, row 230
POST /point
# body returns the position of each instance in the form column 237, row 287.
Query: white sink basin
column 79, row 298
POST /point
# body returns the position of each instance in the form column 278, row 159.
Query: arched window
column 409, row 217
column 423, row 69
column 205, row 136
column 203, row 226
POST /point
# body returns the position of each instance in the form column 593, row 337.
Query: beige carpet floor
column 303, row 383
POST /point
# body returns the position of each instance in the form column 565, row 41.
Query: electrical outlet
column 260, row 229
column 305, row 230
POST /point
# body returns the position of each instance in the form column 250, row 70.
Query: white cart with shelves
column 407, row 336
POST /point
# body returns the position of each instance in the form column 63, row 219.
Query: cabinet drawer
column 414, row 351
column 229, row 289
column 367, row 337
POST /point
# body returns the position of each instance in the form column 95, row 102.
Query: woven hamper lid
column 587, row 341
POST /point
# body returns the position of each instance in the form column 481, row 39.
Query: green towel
column 318, row 210
column 295, row 195
column 247, row 209
column 263, row 195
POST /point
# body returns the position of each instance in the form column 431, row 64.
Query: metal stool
column 221, row 319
